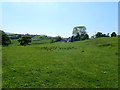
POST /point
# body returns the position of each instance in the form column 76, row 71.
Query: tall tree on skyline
column 81, row 30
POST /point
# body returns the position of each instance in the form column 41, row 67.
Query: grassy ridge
column 83, row 64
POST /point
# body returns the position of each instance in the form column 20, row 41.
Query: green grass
column 41, row 41
column 91, row 63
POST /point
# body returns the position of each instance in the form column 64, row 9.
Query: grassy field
column 91, row 63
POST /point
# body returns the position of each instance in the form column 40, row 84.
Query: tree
column 56, row 39
column 81, row 30
column 86, row 36
column 107, row 34
column 104, row 35
column 99, row 34
column 113, row 34
column 72, row 38
column 77, row 37
column 5, row 39
column 25, row 40
column 19, row 36
column 79, row 33
column 15, row 36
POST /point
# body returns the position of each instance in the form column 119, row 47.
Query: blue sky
column 59, row 18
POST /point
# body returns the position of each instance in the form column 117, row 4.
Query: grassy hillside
column 91, row 63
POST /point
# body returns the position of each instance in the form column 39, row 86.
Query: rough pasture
column 83, row 64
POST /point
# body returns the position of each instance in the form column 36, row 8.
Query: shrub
column 5, row 39
column 25, row 40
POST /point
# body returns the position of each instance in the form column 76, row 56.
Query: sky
column 59, row 18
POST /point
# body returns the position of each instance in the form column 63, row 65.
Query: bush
column 113, row 34
column 5, row 39
column 25, row 40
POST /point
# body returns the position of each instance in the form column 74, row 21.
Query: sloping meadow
column 91, row 63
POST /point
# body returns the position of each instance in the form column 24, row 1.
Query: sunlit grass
column 83, row 64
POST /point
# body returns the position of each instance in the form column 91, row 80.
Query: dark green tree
column 86, row 36
column 79, row 33
column 15, row 36
column 79, row 29
column 113, row 34
column 99, row 34
column 107, row 34
column 72, row 38
column 25, row 40
column 4, row 38
column 58, row 38
column 77, row 37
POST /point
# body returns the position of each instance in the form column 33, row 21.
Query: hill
column 90, row 63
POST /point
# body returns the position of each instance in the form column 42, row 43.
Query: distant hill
column 9, row 33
